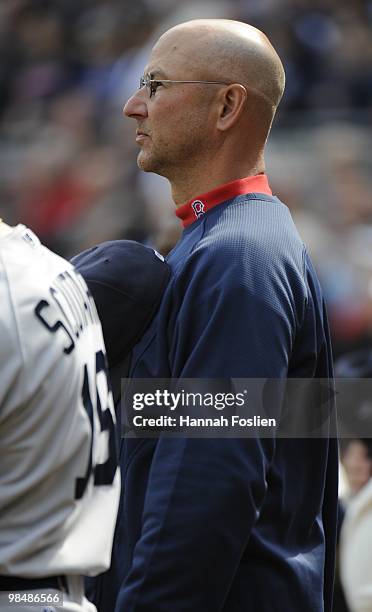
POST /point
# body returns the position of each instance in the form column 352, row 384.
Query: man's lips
column 141, row 136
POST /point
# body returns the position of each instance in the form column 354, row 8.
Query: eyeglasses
column 152, row 84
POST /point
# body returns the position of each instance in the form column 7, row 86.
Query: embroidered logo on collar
column 198, row 208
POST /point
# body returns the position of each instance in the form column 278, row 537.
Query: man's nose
column 136, row 106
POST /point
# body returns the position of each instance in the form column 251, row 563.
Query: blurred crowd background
column 68, row 158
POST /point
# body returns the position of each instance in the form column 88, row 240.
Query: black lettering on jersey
column 75, row 301
column 82, row 298
column 81, row 483
column 55, row 327
column 62, row 290
column 75, row 305
column 68, row 323
column 104, row 473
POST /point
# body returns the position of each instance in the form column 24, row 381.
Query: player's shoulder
column 48, row 320
column 262, row 254
column 22, row 285
column 44, row 294
column 19, row 280
column 247, row 225
column 28, row 271
column 23, row 256
column 253, row 241
column 11, row 354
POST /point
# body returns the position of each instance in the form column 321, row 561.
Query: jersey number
column 104, row 473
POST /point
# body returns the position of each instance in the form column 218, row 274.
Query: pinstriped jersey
column 59, row 480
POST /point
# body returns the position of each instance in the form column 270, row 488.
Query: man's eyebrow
column 156, row 72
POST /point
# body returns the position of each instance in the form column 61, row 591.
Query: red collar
column 195, row 208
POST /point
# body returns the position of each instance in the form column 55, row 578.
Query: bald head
column 206, row 104
column 228, row 51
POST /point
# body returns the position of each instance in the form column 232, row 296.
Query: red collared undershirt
column 195, row 208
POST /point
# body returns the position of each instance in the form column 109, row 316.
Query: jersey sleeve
column 44, row 439
column 10, row 355
column 59, row 475
column 204, row 495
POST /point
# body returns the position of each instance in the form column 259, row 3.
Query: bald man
column 232, row 525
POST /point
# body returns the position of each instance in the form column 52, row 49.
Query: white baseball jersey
column 59, row 479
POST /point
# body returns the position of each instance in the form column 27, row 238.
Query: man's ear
column 233, row 99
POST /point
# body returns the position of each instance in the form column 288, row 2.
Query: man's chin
column 148, row 163
column 144, row 162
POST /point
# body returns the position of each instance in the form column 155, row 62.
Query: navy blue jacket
column 230, row 525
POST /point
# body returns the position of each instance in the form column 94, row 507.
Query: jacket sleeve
column 204, row 495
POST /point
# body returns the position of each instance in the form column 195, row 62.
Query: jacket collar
column 197, row 207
